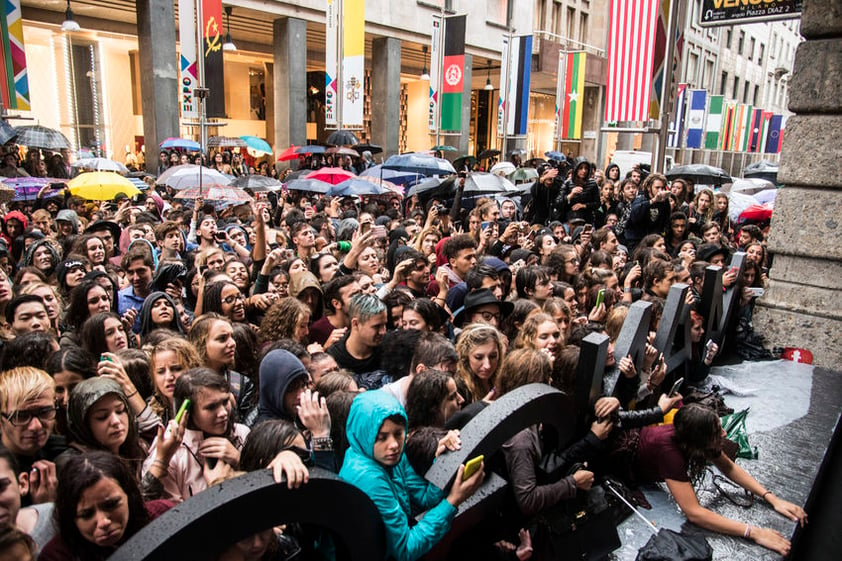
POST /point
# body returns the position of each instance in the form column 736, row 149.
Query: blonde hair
column 24, row 384
column 473, row 336
column 529, row 330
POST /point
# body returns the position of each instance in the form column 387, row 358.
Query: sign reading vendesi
column 729, row 12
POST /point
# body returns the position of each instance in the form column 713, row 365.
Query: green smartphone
column 185, row 405
column 472, row 466
column 600, row 297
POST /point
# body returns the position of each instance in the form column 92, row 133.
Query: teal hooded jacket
column 393, row 489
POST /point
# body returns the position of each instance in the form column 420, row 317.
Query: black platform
column 794, row 415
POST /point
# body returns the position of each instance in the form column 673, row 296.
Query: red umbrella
column 757, row 213
column 331, row 175
column 288, row 154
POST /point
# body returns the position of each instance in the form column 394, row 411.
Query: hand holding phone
column 675, row 387
column 472, row 466
column 379, row 232
column 185, row 405
column 600, row 297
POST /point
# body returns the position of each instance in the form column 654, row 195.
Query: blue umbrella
column 257, row 144
column 310, row 149
column 419, row 163
column 356, row 186
column 310, row 185
column 183, row 143
column 555, row 155
column 395, row 176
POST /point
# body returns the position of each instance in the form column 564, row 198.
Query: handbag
column 735, row 430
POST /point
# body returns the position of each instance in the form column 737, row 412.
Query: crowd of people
column 150, row 351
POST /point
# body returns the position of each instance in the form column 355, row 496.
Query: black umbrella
column 310, row 185
column 534, row 162
column 373, row 148
column 488, row 153
column 700, row 174
column 421, row 164
column 298, row 174
column 432, row 186
column 762, row 170
column 343, row 137
column 464, row 162
column 518, row 152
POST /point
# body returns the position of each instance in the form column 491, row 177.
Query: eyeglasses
column 233, row 298
column 488, row 316
column 571, row 261
column 24, row 416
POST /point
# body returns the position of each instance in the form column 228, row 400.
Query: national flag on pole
column 738, row 128
column 630, row 54
column 212, row 51
column 559, row 94
column 696, row 119
column 745, row 131
column 728, row 127
column 756, row 130
column 520, row 73
column 774, row 139
column 764, row 131
column 331, row 61
column 503, row 98
column 187, row 60
column 659, row 64
column 676, row 126
column 14, row 82
column 571, row 117
column 435, row 72
column 353, row 62
column 713, row 125
column 453, row 73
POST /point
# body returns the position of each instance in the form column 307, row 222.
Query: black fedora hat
column 479, row 298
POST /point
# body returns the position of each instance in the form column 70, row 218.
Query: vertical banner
column 435, row 72
column 676, row 126
column 187, row 61
column 212, row 51
column 631, row 43
column 353, row 62
column 745, row 130
column 714, row 123
column 696, row 119
column 520, row 78
column 571, row 123
column 764, row 131
column 755, row 130
column 660, row 66
column 774, row 138
column 727, row 126
column 511, row 84
column 332, row 62
column 15, row 82
column 453, row 73
column 559, row 94
column 503, row 99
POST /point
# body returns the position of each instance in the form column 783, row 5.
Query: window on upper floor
column 723, row 83
column 558, row 19
column 762, row 52
column 752, row 45
column 540, row 14
column 735, row 91
column 497, row 10
column 571, row 23
column 741, row 42
column 728, row 36
column 583, row 28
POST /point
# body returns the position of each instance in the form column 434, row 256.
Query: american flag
column 631, row 47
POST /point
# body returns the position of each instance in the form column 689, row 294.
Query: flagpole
column 508, row 100
column 440, row 74
column 340, row 57
column 561, row 88
column 666, row 91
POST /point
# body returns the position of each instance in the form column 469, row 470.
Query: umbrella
column 27, row 188
column 534, row 162
column 356, row 186
column 738, row 202
column 767, row 196
column 395, row 176
column 342, row 151
column 288, row 154
column 464, row 162
column 257, row 183
column 257, row 144
column 762, row 169
column 7, row 133
column 487, row 183
column 522, row 188
column 504, row 168
column 226, row 142
column 310, row 149
column 421, row 164
column 756, row 213
column 700, row 174
column 139, row 183
column 432, row 186
column 555, row 155
column 100, row 164
column 748, row 186
column 518, row 152
column 309, row 185
column 331, row 175
column 488, row 153
column 373, row 148
column 444, row 148
column 191, row 175
column 101, row 186
column 343, row 137
column 182, row 143
column 297, row 174
column 36, row 136
column 523, row 174
column 216, row 192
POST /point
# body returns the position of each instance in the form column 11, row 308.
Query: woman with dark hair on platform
column 678, row 454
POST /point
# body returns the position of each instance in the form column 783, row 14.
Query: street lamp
column 488, row 85
column 424, row 74
column 69, row 24
column 228, row 46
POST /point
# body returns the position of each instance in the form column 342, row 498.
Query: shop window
column 257, row 94
column 85, row 83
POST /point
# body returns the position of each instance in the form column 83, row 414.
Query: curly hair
column 281, row 320
column 473, row 336
column 521, row 367
column 529, row 330
column 187, row 356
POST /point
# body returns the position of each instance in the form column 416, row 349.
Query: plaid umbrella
column 191, row 175
column 36, row 136
column 257, row 183
column 331, row 175
column 183, row 143
column 100, row 164
column 216, row 192
column 101, row 186
column 7, row 133
column 226, row 142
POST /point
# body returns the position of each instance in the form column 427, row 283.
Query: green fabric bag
column 735, row 429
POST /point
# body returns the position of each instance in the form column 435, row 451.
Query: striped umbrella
column 216, row 192
column 36, row 136
column 226, row 142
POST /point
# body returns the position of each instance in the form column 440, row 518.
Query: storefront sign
column 729, row 12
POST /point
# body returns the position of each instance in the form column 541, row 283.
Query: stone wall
column 803, row 307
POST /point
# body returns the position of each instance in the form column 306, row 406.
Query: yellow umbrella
column 101, row 186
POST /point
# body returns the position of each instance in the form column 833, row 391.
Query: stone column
column 803, row 306
column 159, row 66
column 290, row 81
column 465, row 138
column 386, row 94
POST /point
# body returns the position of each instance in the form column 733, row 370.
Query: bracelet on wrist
column 322, row 443
column 131, row 395
column 763, row 496
column 747, row 533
